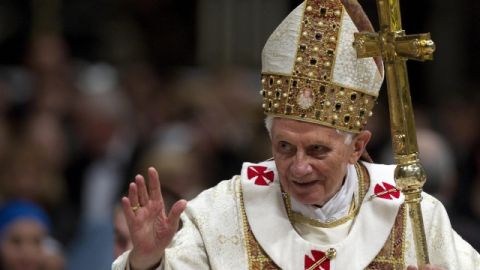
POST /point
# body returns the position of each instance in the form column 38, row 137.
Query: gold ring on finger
column 136, row 207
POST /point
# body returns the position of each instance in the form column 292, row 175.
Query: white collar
column 335, row 208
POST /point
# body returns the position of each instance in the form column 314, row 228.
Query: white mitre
column 310, row 70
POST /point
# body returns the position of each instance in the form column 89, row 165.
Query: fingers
column 127, row 210
column 412, row 268
column 154, row 184
column 142, row 190
column 133, row 194
column 176, row 211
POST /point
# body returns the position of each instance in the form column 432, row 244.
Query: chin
column 307, row 198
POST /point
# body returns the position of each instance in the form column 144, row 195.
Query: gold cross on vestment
column 395, row 47
column 329, row 255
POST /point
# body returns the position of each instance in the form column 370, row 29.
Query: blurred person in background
column 219, row 111
column 24, row 230
column 54, row 258
column 103, row 128
column 122, row 239
column 174, row 150
column 437, row 158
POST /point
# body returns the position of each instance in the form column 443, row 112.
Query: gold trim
column 337, row 84
column 299, row 30
column 334, row 58
column 257, row 257
column 392, row 255
column 335, row 106
column 296, row 217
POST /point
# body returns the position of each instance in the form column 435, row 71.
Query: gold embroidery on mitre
column 309, row 94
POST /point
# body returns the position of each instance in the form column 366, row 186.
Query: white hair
column 348, row 135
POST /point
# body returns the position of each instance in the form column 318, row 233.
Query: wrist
column 133, row 264
column 130, row 267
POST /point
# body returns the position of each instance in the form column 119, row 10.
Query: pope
column 318, row 203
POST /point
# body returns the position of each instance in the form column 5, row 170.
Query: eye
column 318, row 150
column 285, row 147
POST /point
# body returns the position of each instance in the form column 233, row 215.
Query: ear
column 359, row 143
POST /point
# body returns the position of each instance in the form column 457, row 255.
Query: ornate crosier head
column 310, row 70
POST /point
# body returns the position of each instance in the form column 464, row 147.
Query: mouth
column 305, row 184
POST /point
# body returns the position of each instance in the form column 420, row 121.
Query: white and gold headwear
column 310, row 70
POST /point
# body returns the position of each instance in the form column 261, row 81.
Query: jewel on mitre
column 305, row 99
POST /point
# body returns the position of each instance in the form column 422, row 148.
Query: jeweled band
column 316, row 101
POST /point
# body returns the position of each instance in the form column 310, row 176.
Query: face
column 21, row 246
column 312, row 159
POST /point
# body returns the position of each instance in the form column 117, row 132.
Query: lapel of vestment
column 269, row 223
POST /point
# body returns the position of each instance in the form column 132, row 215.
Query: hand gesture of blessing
column 150, row 228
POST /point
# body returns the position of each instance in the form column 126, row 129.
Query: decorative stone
column 305, row 99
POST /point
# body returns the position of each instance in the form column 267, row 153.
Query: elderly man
column 315, row 205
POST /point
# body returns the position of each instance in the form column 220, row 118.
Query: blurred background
column 94, row 92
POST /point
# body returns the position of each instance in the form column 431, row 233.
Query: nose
column 300, row 166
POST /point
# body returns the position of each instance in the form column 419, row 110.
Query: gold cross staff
column 395, row 47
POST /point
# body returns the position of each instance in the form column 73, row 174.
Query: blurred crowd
column 74, row 133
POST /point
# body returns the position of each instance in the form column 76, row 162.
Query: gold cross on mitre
column 395, row 47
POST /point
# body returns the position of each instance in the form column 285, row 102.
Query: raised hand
column 150, row 228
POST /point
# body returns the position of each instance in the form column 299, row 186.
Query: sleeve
column 186, row 251
column 446, row 248
column 121, row 263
